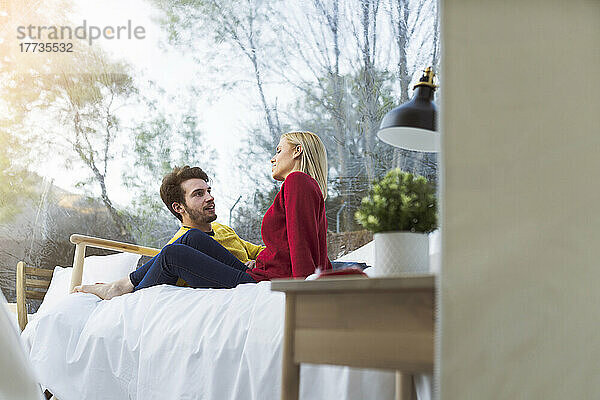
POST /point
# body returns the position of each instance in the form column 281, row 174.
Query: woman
column 294, row 230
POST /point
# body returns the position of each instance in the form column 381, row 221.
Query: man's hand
column 250, row 264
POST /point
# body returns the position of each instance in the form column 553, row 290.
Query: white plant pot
column 398, row 253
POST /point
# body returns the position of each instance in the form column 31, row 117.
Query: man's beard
column 198, row 217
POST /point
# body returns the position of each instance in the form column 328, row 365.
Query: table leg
column 290, row 379
column 404, row 386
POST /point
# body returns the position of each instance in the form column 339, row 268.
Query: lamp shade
column 413, row 125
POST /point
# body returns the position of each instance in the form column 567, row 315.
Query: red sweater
column 294, row 229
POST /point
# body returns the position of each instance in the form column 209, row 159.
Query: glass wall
column 98, row 100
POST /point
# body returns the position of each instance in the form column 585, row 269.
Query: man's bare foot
column 107, row 291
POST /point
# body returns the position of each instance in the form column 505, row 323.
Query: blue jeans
column 196, row 258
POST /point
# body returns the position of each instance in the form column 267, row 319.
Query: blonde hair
column 313, row 159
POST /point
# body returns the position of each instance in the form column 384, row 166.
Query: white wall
column 520, row 298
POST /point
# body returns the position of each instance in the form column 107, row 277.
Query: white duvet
column 168, row 342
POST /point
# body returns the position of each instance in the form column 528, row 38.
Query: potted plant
column 401, row 210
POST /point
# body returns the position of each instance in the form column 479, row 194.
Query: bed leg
column 77, row 266
column 404, row 386
column 290, row 379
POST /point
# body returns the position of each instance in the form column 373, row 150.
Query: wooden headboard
column 82, row 241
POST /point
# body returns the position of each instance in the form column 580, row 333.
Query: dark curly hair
column 170, row 189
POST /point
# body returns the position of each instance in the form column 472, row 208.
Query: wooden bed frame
column 81, row 242
column 33, row 283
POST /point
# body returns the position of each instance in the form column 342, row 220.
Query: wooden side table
column 359, row 322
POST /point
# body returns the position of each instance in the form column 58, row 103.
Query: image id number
column 46, row 47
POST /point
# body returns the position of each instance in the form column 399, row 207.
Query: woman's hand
column 250, row 264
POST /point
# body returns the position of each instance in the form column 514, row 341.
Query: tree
column 339, row 57
column 349, row 185
column 160, row 144
column 70, row 106
column 243, row 33
column 15, row 182
column 92, row 100
column 412, row 28
column 247, row 218
column 244, row 28
column 343, row 62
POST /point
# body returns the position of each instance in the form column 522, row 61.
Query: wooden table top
column 408, row 282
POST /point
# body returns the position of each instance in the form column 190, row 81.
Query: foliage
column 14, row 180
column 330, row 66
column 348, row 81
column 354, row 162
column 160, row 144
column 84, row 216
column 334, row 67
column 39, row 233
column 247, row 218
column 355, row 156
column 237, row 31
column 336, row 206
column 92, row 100
column 400, row 201
column 71, row 109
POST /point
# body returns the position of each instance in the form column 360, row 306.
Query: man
column 187, row 194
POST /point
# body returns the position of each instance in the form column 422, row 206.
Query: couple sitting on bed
column 205, row 255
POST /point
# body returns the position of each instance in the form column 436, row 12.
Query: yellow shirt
column 241, row 249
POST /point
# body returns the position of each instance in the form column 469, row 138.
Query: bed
column 169, row 342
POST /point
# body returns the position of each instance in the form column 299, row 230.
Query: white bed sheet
column 167, row 342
